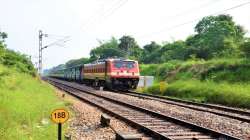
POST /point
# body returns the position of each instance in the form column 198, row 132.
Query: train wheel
column 96, row 83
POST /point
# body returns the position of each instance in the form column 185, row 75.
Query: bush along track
column 219, row 81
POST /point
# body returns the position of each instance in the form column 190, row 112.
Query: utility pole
column 40, row 53
column 41, row 47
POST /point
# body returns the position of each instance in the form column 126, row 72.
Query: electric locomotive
column 110, row 73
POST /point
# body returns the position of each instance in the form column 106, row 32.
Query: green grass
column 222, row 81
column 236, row 95
column 233, row 70
column 160, row 71
column 25, row 107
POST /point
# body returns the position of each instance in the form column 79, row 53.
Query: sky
column 87, row 22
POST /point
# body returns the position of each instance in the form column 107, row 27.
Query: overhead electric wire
column 98, row 13
column 55, row 36
column 193, row 20
column 192, row 9
column 65, row 39
column 115, row 9
column 106, row 13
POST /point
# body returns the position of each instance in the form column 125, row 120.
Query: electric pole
column 41, row 47
column 40, row 52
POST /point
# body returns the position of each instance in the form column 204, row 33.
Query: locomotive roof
column 100, row 61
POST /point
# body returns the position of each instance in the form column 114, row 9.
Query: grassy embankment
column 25, row 106
column 220, row 81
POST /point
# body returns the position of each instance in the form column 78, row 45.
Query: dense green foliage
column 215, row 37
column 76, row 62
column 125, row 47
column 106, row 50
column 245, row 48
column 230, row 70
column 13, row 59
column 222, row 81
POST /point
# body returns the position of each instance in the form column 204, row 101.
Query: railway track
column 150, row 122
column 233, row 113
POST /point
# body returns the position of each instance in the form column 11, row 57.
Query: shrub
column 236, row 95
column 158, row 89
column 18, row 61
column 245, row 48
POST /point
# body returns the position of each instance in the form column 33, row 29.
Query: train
column 111, row 73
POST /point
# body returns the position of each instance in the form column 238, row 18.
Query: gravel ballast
column 85, row 124
column 219, row 123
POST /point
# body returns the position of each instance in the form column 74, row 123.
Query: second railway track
column 238, row 114
column 151, row 122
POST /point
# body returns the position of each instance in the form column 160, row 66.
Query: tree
column 112, row 48
column 195, row 49
column 215, row 36
column 106, row 50
column 151, row 53
column 10, row 58
column 175, row 50
column 245, row 48
column 127, row 42
column 151, row 47
column 130, row 47
column 76, row 62
column 3, row 36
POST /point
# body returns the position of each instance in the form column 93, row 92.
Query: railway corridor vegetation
column 25, row 101
column 212, row 65
column 222, row 81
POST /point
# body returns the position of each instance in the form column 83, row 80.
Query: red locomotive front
column 123, row 73
column 112, row 73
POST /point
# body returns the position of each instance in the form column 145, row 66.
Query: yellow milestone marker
column 59, row 116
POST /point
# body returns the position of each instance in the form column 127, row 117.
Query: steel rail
column 186, row 104
column 147, row 111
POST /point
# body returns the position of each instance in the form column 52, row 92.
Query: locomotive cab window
column 124, row 64
column 118, row 64
column 130, row 65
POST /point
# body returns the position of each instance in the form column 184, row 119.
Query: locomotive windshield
column 124, row 64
